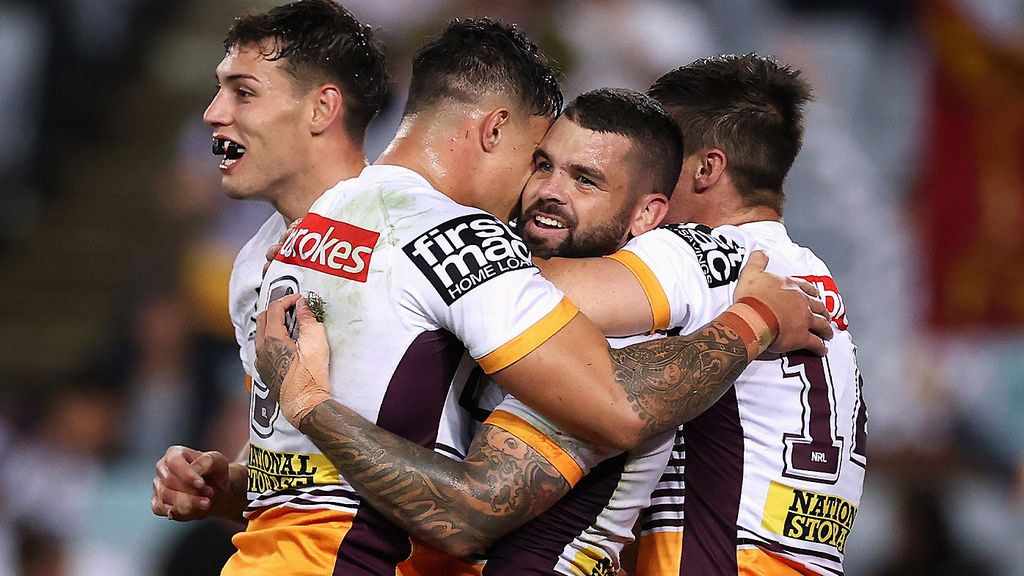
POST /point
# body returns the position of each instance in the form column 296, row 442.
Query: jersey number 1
column 815, row 453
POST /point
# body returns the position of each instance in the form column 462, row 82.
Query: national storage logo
column 465, row 252
column 274, row 471
column 329, row 246
column 809, row 516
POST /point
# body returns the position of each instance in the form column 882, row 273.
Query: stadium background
column 115, row 246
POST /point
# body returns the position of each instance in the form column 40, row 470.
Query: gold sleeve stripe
column 530, row 339
column 652, row 288
column 248, row 383
column 540, row 442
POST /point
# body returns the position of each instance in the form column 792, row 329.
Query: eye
column 585, row 181
column 542, row 165
column 243, row 93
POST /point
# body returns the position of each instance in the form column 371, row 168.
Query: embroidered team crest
column 720, row 257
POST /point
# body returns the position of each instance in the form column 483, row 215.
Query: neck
column 720, row 208
column 322, row 173
column 744, row 215
column 434, row 148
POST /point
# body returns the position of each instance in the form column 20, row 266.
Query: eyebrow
column 236, row 77
column 589, row 171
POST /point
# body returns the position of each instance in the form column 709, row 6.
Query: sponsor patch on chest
column 330, row 246
column 465, row 252
column 720, row 257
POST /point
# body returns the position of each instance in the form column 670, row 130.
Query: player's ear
column 327, row 108
column 650, row 211
column 491, row 128
column 711, row 164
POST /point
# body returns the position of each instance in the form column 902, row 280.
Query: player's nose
column 217, row 113
column 553, row 189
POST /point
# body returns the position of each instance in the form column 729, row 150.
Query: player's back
column 774, row 470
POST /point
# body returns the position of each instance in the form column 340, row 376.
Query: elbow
column 629, row 437
column 461, row 546
column 465, row 548
column 620, row 430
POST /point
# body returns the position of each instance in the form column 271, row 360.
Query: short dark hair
column 657, row 146
column 476, row 57
column 321, row 41
column 748, row 106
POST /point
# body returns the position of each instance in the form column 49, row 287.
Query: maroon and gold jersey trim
column 513, row 350
column 656, row 296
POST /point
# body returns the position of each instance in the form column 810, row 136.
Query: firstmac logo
column 329, row 246
column 465, row 252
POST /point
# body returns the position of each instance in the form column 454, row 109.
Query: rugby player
column 297, row 87
column 444, row 265
column 775, row 469
column 606, row 167
column 691, row 93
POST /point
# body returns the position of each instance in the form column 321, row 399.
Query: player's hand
column 296, row 372
column 190, row 484
column 803, row 319
column 276, row 247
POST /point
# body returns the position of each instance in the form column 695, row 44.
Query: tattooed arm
column 665, row 382
column 671, row 381
column 571, row 379
column 461, row 507
column 457, row 507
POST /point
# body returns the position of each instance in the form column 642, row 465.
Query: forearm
column 456, row 507
column 672, row 380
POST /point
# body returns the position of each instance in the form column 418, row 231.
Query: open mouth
column 231, row 151
column 547, row 223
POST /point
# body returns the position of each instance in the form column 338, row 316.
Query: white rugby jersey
column 244, row 287
column 585, row 531
column 410, row 279
column 774, row 470
column 689, row 274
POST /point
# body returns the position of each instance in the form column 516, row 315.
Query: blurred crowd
column 944, row 374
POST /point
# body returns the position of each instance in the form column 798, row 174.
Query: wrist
column 231, row 505
column 754, row 322
column 301, row 392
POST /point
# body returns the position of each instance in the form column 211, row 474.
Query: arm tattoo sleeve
column 457, row 507
column 672, row 380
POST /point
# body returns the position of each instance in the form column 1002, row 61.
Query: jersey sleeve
column 678, row 267
column 571, row 456
column 244, row 285
column 474, row 278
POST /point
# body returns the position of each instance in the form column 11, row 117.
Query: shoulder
column 718, row 252
column 247, row 271
column 248, row 266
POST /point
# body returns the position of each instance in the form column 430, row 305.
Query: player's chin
column 544, row 246
column 235, row 189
